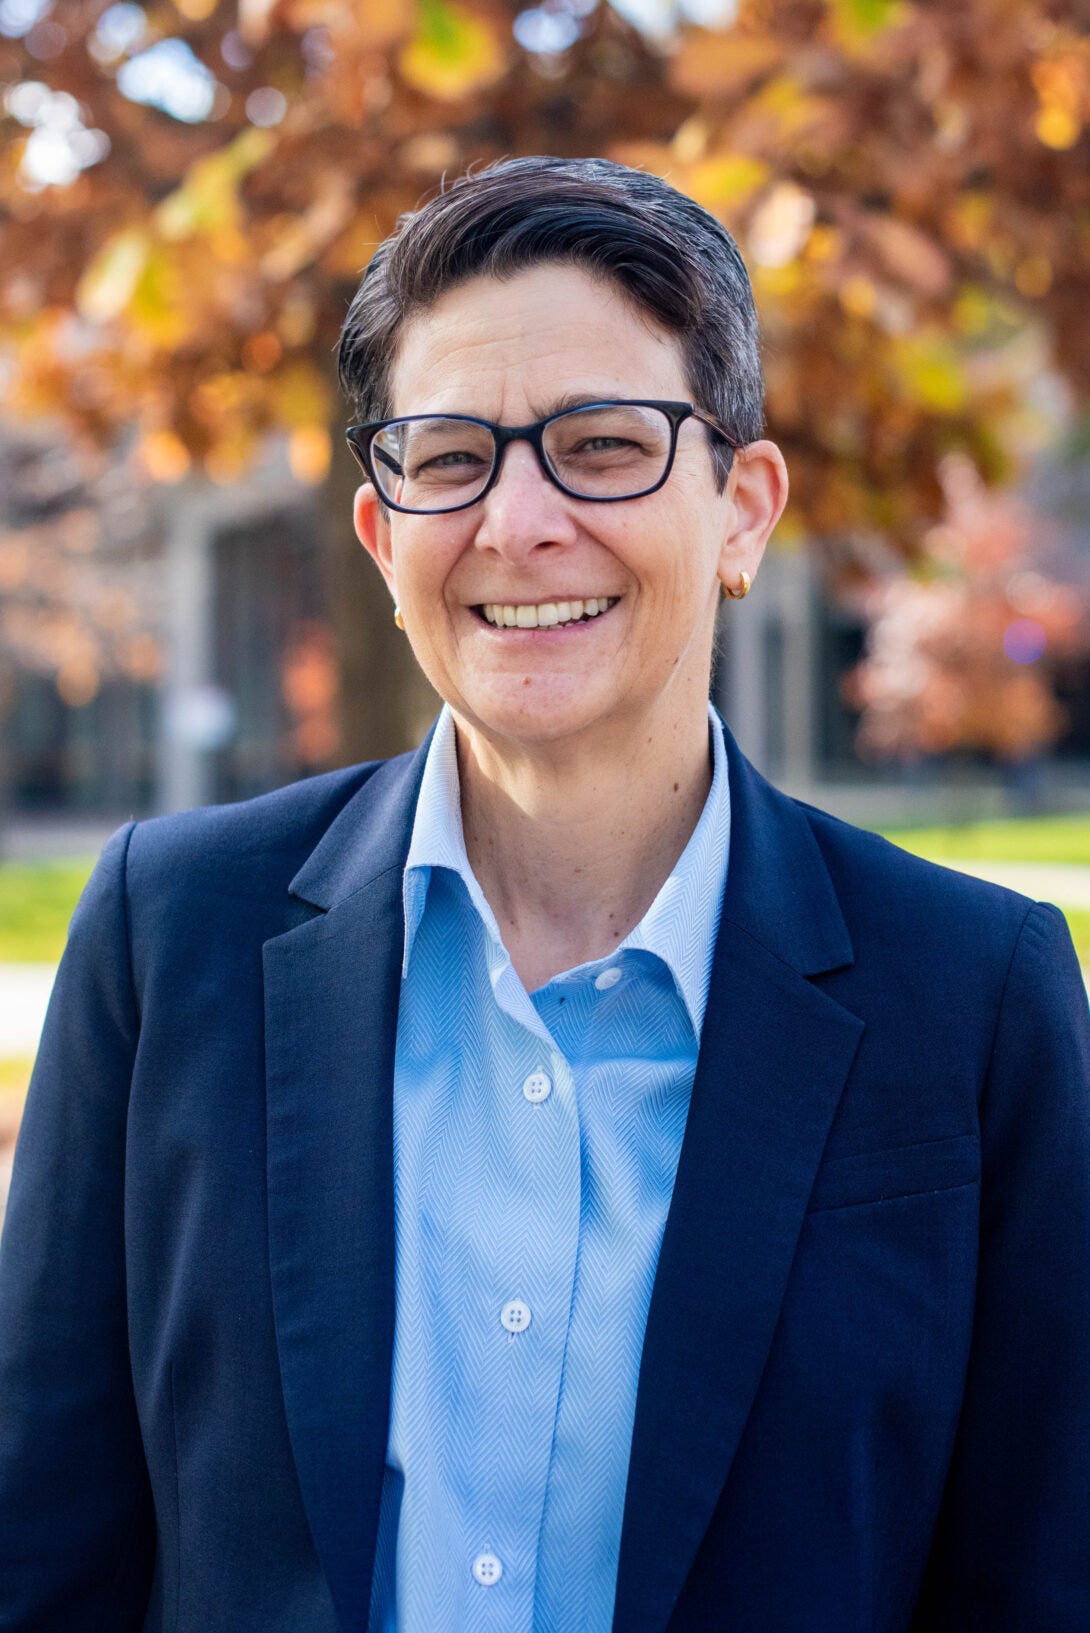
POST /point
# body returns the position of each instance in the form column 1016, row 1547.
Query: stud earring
column 398, row 620
column 743, row 590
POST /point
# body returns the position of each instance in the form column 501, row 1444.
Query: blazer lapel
column 774, row 1056
column 331, row 998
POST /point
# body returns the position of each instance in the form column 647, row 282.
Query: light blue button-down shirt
column 536, row 1139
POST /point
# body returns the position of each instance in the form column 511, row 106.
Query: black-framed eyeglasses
column 429, row 464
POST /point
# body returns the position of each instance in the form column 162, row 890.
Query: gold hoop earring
column 398, row 620
column 741, row 593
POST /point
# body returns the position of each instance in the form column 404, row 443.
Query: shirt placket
column 532, row 1245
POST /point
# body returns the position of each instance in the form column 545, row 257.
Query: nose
column 524, row 511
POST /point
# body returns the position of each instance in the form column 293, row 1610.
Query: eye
column 452, row 457
column 444, row 457
column 601, row 445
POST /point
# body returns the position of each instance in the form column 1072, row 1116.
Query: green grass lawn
column 1017, row 839
column 36, row 902
column 1078, row 922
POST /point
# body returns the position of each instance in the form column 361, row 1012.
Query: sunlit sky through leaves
column 167, row 75
column 119, row 29
column 59, row 145
column 17, row 17
column 657, row 17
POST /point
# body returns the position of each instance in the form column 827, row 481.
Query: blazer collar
column 779, row 890
column 369, row 836
column 332, row 986
column 775, row 1052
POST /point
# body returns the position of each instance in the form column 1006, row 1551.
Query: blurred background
column 189, row 191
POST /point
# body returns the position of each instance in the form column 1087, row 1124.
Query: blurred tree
column 962, row 653
column 189, row 190
column 308, row 686
column 79, row 598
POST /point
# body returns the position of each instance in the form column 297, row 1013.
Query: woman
column 551, row 1180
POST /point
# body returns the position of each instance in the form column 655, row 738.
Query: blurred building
column 236, row 584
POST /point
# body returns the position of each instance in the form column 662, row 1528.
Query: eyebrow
column 577, row 399
column 559, row 405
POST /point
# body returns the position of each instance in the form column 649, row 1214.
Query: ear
column 373, row 532
column 757, row 487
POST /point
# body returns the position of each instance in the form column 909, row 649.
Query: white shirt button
column 487, row 1569
column 515, row 1316
column 607, row 979
column 537, row 1087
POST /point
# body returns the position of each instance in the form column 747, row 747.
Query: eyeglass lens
column 612, row 452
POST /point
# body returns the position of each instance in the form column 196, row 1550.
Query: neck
column 571, row 843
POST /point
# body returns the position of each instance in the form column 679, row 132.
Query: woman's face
column 513, row 351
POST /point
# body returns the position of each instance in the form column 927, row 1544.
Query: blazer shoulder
column 254, row 846
column 916, row 901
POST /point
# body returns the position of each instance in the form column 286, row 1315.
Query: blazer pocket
column 905, row 1170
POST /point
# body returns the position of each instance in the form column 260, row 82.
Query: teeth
column 546, row 614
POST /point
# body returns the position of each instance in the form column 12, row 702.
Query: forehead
column 516, row 346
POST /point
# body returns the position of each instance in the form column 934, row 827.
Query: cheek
column 677, row 565
column 424, row 555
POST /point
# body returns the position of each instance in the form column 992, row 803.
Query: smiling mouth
column 544, row 614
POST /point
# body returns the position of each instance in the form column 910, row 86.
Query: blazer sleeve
column 76, row 1518
column 1012, row 1549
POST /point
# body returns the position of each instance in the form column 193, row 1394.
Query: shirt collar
column 681, row 923
column 438, row 838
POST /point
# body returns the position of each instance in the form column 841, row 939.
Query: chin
column 541, row 712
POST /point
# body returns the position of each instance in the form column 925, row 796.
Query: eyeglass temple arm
column 721, row 430
column 381, row 455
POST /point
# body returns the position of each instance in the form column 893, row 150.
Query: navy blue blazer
column 864, row 1400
